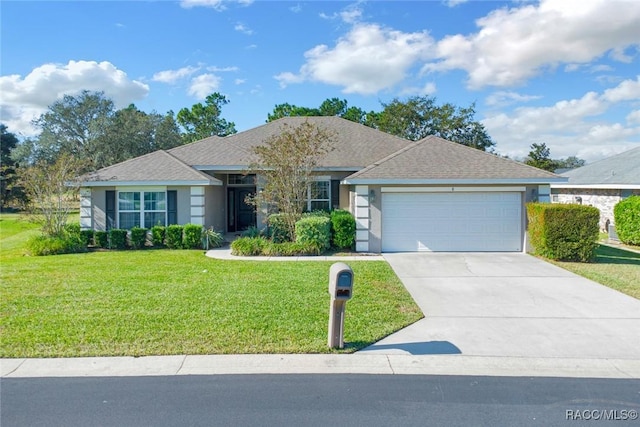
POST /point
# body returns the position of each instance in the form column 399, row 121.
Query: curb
column 247, row 364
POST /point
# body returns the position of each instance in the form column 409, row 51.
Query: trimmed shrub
column 278, row 230
column 72, row 228
column 344, row 229
column 314, row 230
column 317, row 212
column 627, row 219
column 86, row 237
column 192, row 236
column 101, row 239
column 157, row 235
column 173, row 236
column 138, row 237
column 563, row 232
column 211, row 238
column 248, row 246
column 117, row 239
column 252, row 231
column 290, row 249
column 55, row 245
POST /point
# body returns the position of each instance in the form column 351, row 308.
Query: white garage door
column 452, row 222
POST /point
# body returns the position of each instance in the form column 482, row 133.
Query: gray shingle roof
column 621, row 169
column 155, row 167
column 436, row 159
column 356, row 145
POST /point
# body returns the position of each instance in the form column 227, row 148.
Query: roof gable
column 621, row 169
column 152, row 168
column 438, row 160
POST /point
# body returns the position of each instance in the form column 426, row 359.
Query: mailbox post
column 340, row 290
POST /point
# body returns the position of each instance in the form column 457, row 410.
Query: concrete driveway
column 514, row 305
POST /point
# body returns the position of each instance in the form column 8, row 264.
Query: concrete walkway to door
column 510, row 305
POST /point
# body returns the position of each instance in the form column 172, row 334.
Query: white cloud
column 204, row 85
column 368, row 59
column 516, row 44
column 504, row 98
column 628, row 90
column 633, row 117
column 426, row 90
column 213, row 4
column 24, row 99
column 171, row 76
column 218, row 5
column 575, row 127
column 454, row 3
column 350, row 14
column 239, row 81
column 296, row 9
column 216, row 69
column 243, row 29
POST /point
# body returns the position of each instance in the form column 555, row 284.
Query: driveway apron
column 510, row 304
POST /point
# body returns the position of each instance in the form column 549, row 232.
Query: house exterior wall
column 99, row 207
column 215, row 206
column 603, row 199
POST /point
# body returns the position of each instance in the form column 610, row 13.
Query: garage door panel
column 450, row 222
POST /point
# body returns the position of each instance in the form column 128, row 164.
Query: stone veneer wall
column 603, row 199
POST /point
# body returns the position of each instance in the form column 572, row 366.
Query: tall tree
column 540, row 157
column 203, row 121
column 167, row 133
column 288, row 110
column 420, row 116
column 72, row 125
column 286, row 161
column 8, row 142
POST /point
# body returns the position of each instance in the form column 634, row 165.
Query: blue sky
column 562, row 72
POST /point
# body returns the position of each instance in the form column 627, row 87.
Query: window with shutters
column 141, row 209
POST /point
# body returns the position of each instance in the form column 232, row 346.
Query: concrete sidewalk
column 319, row 364
column 225, row 253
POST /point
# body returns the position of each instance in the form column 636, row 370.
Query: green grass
column 158, row 302
column 613, row 267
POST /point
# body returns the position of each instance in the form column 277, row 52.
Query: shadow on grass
column 609, row 255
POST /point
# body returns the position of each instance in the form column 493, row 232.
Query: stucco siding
column 99, row 207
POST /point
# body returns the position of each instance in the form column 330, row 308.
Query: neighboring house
column 429, row 195
column 601, row 184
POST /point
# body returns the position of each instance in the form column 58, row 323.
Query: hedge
column 314, row 230
column 563, row 232
column 117, row 239
column 344, row 229
column 157, row 235
column 173, row 236
column 627, row 219
column 278, row 230
column 192, row 236
column 138, row 237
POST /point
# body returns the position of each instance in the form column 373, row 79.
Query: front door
column 241, row 215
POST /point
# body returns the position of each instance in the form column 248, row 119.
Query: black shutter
column 110, row 209
column 335, row 194
column 172, row 207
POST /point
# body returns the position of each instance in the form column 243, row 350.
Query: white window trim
column 309, row 200
column 142, row 210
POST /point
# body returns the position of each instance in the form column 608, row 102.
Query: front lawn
column 158, row 302
column 613, row 267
